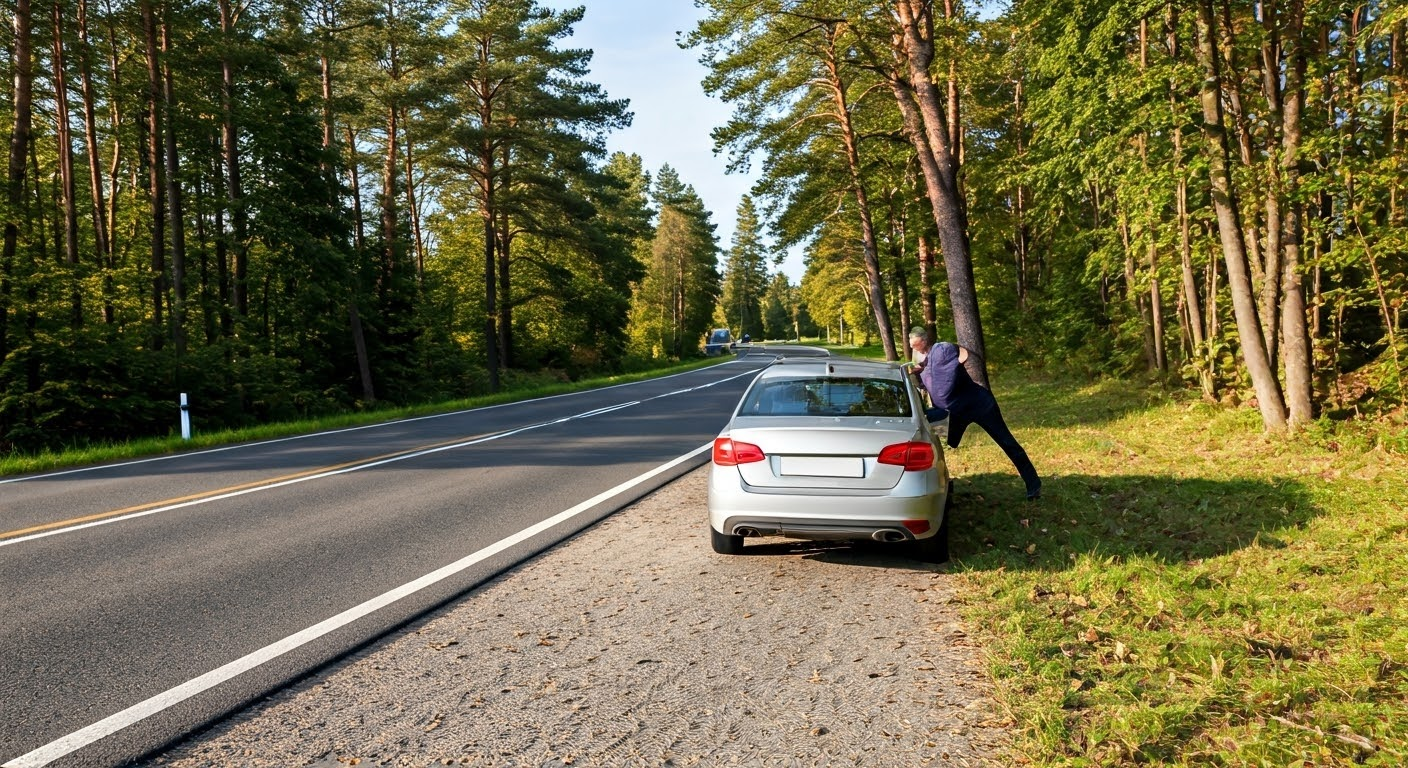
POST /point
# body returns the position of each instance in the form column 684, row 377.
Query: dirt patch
column 634, row 644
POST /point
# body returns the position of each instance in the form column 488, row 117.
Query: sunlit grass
column 94, row 454
column 1189, row 591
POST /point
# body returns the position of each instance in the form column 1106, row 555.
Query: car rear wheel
column 725, row 544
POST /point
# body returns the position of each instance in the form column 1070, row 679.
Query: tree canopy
column 286, row 209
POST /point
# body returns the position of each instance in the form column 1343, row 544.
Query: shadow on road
column 868, row 554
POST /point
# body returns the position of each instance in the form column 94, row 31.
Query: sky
column 636, row 57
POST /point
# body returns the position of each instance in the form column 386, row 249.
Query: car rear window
column 828, row 397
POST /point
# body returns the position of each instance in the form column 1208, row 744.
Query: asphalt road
column 143, row 600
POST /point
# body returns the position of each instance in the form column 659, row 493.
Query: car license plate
column 821, row 466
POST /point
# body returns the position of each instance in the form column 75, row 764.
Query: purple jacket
column 944, row 378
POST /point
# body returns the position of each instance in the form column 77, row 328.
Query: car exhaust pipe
column 888, row 536
column 746, row 532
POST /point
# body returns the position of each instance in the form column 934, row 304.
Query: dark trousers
column 980, row 407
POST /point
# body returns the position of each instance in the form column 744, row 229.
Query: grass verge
column 1189, row 591
column 16, row 464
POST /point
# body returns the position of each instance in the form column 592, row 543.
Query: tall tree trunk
column 115, row 163
column 1199, row 340
column 1246, row 146
column 491, row 308
column 174, row 199
column 1136, row 296
column 354, row 181
column 1268, row 388
column 953, row 113
column 1202, row 343
column 20, row 133
column 1298, row 359
column 927, row 299
column 1397, row 125
column 222, row 246
column 234, row 184
column 152, row 153
column 1154, row 300
column 506, row 306
column 1275, row 191
column 927, row 127
column 896, row 237
column 1021, row 230
column 354, row 317
column 204, row 203
column 412, row 206
column 390, row 255
column 95, row 170
column 68, row 186
column 870, row 252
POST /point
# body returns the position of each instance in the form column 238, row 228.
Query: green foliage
column 745, row 275
column 304, row 208
column 675, row 302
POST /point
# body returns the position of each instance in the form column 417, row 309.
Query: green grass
column 1189, row 591
column 15, row 464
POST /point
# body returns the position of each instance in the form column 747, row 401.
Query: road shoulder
column 634, row 644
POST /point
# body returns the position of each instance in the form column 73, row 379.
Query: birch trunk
column 1268, row 388
column 1298, row 361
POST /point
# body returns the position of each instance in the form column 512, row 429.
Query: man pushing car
column 954, row 394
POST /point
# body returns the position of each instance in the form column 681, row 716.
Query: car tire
column 935, row 548
column 725, row 544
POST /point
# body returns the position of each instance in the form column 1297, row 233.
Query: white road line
column 138, row 712
column 318, row 476
column 397, row 422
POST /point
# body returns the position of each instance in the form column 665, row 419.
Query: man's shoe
column 1034, row 494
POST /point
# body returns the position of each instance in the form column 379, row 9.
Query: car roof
column 833, row 366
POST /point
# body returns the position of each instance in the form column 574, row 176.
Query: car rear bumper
column 734, row 510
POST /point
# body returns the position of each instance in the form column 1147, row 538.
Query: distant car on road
column 830, row 449
column 720, row 342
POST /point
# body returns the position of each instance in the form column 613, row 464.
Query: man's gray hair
column 919, row 332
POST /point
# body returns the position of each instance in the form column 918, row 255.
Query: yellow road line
column 220, row 491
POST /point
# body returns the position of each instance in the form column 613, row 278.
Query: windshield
column 719, row 337
column 828, row 397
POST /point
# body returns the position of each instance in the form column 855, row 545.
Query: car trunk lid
column 834, row 453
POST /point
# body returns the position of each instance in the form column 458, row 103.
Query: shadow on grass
column 1129, row 516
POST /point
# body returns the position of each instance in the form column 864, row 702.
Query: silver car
column 830, row 449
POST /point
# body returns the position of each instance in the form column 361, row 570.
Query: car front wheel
column 725, row 544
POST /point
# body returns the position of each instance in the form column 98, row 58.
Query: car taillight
column 914, row 457
column 727, row 453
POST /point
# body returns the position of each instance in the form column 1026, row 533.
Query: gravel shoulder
column 633, row 644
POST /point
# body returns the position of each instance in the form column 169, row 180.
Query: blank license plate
column 821, row 466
